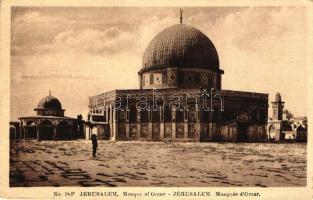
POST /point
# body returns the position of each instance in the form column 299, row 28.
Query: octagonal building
column 180, row 64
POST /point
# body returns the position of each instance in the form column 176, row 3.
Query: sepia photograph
column 159, row 96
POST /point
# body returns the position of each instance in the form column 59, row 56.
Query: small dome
column 181, row 46
column 49, row 102
column 277, row 97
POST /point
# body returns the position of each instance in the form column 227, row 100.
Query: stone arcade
column 180, row 61
column 49, row 123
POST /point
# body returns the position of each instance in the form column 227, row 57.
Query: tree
column 288, row 114
column 80, row 117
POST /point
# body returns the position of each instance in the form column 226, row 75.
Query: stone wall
column 242, row 119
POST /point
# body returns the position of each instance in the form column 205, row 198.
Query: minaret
column 278, row 107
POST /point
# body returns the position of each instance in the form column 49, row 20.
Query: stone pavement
column 69, row 163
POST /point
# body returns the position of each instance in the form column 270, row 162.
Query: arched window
column 151, row 79
column 143, row 80
column 156, row 116
column 133, row 114
column 167, row 115
column 179, row 116
column 144, row 118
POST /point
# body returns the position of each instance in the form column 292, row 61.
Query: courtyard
column 155, row 164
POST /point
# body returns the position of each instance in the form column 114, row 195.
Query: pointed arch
column 45, row 130
column 63, row 130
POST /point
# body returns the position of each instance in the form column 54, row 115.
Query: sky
column 77, row 52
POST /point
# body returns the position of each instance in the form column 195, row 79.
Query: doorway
column 242, row 132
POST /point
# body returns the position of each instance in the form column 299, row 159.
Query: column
column 150, row 124
column 71, row 137
column 21, row 128
column 111, row 123
column 197, row 135
column 38, row 136
column 174, row 124
column 202, row 126
column 185, row 124
column 84, row 130
column 89, row 133
column 115, row 131
column 15, row 132
column 23, row 132
column 161, row 124
column 210, row 128
column 138, row 124
column 54, row 133
column 127, row 124
column 26, row 133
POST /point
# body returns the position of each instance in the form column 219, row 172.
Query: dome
column 277, row 97
column 180, row 46
column 49, row 102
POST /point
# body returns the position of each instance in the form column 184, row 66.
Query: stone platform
column 69, row 163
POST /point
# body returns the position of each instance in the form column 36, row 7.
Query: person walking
column 94, row 144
